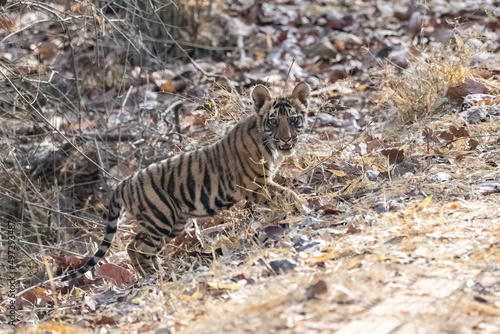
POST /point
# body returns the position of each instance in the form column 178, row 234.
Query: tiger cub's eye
column 273, row 121
column 294, row 119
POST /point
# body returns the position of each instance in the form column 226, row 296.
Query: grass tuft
column 417, row 92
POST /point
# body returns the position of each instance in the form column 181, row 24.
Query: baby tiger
column 203, row 182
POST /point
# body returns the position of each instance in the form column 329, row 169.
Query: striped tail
column 114, row 209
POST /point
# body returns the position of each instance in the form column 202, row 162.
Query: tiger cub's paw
column 299, row 203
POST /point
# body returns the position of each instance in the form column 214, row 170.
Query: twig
column 26, row 27
column 46, row 121
column 196, row 66
column 78, row 91
column 102, row 164
column 289, row 70
column 55, row 211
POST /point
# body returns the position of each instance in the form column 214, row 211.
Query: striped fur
column 201, row 183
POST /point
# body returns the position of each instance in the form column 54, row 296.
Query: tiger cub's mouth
column 285, row 148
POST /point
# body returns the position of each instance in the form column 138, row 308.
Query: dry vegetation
column 399, row 165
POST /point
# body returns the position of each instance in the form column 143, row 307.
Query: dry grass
column 418, row 91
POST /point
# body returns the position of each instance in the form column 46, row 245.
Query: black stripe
column 191, row 185
column 228, row 181
column 162, row 197
column 207, row 155
column 219, row 204
column 213, row 159
column 221, row 184
column 268, row 149
column 152, row 228
column 205, row 193
column 122, row 190
column 142, row 210
column 141, row 206
column 188, row 203
column 165, row 170
column 113, row 217
column 171, row 184
column 230, row 199
column 252, row 164
column 111, row 229
column 179, row 166
column 238, row 157
column 223, row 205
column 225, row 158
column 171, row 190
column 145, row 239
column 130, row 193
column 257, row 174
column 220, row 192
column 162, row 173
column 252, row 125
column 156, row 212
column 100, row 253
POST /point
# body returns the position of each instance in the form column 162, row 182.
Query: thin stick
column 47, row 122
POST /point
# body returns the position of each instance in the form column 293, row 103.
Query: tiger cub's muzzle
column 286, row 145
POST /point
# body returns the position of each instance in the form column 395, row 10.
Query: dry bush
column 420, row 89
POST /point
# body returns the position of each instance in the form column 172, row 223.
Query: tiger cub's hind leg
column 143, row 252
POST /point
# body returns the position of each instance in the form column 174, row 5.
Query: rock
column 476, row 114
column 487, row 188
column 372, row 175
column 403, row 168
column 475, row 99
column 283, row 266
column 466, row 88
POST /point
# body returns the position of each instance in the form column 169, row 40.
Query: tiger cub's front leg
column 275, row 192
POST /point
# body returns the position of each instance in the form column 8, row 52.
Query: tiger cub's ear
column 260, row 95
column 301, row 92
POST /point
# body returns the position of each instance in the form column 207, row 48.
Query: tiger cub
column 200, row 183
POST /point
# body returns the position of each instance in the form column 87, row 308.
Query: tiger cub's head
column 282, row 119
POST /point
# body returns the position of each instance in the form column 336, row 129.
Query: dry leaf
column 336, row 172
column 115, row 274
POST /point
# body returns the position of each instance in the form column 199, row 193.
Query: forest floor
column 399, row 165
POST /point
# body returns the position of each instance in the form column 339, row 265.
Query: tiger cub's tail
column 113, row 214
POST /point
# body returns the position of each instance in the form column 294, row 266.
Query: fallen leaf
column 117, row 275
column 336, row 172
column 425, row 202
column 106, row 321
column 168, row 86
column 352, row 230
column 329, row 210
column 395, row 156
column 459, row 133
column 473, row 144
column 317, row 289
